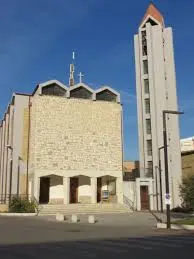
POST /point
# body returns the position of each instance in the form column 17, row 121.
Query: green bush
column 187, row 192
column 22, row 205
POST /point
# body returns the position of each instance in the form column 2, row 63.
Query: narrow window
column 145, row 67
column 150, row 169
column 144, row 43
column 146, row 86
column 147, row 106
column 148, row 126
column 149, row 147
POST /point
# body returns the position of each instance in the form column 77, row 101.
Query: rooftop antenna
column 72, row 70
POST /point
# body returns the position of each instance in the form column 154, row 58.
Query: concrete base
column 91, row 219
column 60, row 217
column 175, row 226
column 74, row 218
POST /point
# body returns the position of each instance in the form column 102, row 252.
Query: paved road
column 40, row 238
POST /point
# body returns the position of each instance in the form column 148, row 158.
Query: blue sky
column 38, row 37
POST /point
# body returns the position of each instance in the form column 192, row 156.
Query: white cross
column 80, row 77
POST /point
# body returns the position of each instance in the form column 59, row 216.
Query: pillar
column 93, row 181
column 138, row 198
column 36, row 188
column 66, row 188
column 151, row 193
column 119, row 189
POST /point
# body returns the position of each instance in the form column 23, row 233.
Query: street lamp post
column 160, row 175
column 166, row 162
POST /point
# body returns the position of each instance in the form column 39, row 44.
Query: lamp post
column 160, row 175
column 11, row 169
column 166, row 162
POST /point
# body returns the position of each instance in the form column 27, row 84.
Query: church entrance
column 44, row 190
column 74, row 190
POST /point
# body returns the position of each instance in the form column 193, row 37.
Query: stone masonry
column 73, row 134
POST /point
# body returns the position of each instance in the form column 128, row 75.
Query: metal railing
column 129, row 202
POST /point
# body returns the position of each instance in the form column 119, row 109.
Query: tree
column 187, row 191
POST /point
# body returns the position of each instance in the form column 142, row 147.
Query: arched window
column 81, row 92
column 53, row 89
column 106, row 95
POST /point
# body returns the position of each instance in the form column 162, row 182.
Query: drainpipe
column 28, row 148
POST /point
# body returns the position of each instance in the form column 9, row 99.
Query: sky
column 38, row 37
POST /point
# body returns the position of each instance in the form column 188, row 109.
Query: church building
column 62, row 144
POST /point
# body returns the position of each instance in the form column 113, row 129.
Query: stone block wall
column 73, row 134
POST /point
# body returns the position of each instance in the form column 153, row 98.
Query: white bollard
column 91, row 219
column 74, row 218
column 60, row 217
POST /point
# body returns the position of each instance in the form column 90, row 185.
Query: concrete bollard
column 60, row 217
column 74, row 218
column 91, row 219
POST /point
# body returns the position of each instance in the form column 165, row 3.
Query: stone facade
column 65, row 144
column 188, row 163
column 75, row 134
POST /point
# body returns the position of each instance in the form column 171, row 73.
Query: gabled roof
column 104, row 88
column 50, row 82
column 81, row 85
column 153, row 13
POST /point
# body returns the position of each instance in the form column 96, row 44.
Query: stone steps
column 83, row 209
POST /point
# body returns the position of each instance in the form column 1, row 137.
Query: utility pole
column 166, row 164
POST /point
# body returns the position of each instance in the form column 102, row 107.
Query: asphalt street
column 44, row 238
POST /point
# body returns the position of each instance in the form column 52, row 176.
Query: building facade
column 156, row 91
column 188, row 163
column 62, row 145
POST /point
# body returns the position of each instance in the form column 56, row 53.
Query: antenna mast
column 72, row 70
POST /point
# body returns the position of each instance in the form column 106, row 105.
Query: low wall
column 4, row 208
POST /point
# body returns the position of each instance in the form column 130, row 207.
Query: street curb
column 175, row 226
column 18, row 214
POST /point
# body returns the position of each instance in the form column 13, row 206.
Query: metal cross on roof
column 80, row 77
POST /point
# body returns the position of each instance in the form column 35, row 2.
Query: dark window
column 145, row 67
column 147, row 106
column 148, row 126
column 106, row 95
column 149, row 147
column 81, row 92
column 53, row 89
column 144, row 43
column 150, row 169
column 146, row 86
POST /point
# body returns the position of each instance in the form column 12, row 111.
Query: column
column 36, row 188
column 138, row 198
column 151, row 193
column 66, row 185
column 93, row 181
column 119, row 189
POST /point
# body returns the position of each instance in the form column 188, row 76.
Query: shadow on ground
column 163, row 246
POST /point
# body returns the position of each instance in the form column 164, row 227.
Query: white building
column 156, row 91
column 187, row 144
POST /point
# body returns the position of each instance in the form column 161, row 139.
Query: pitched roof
column 155, row 13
